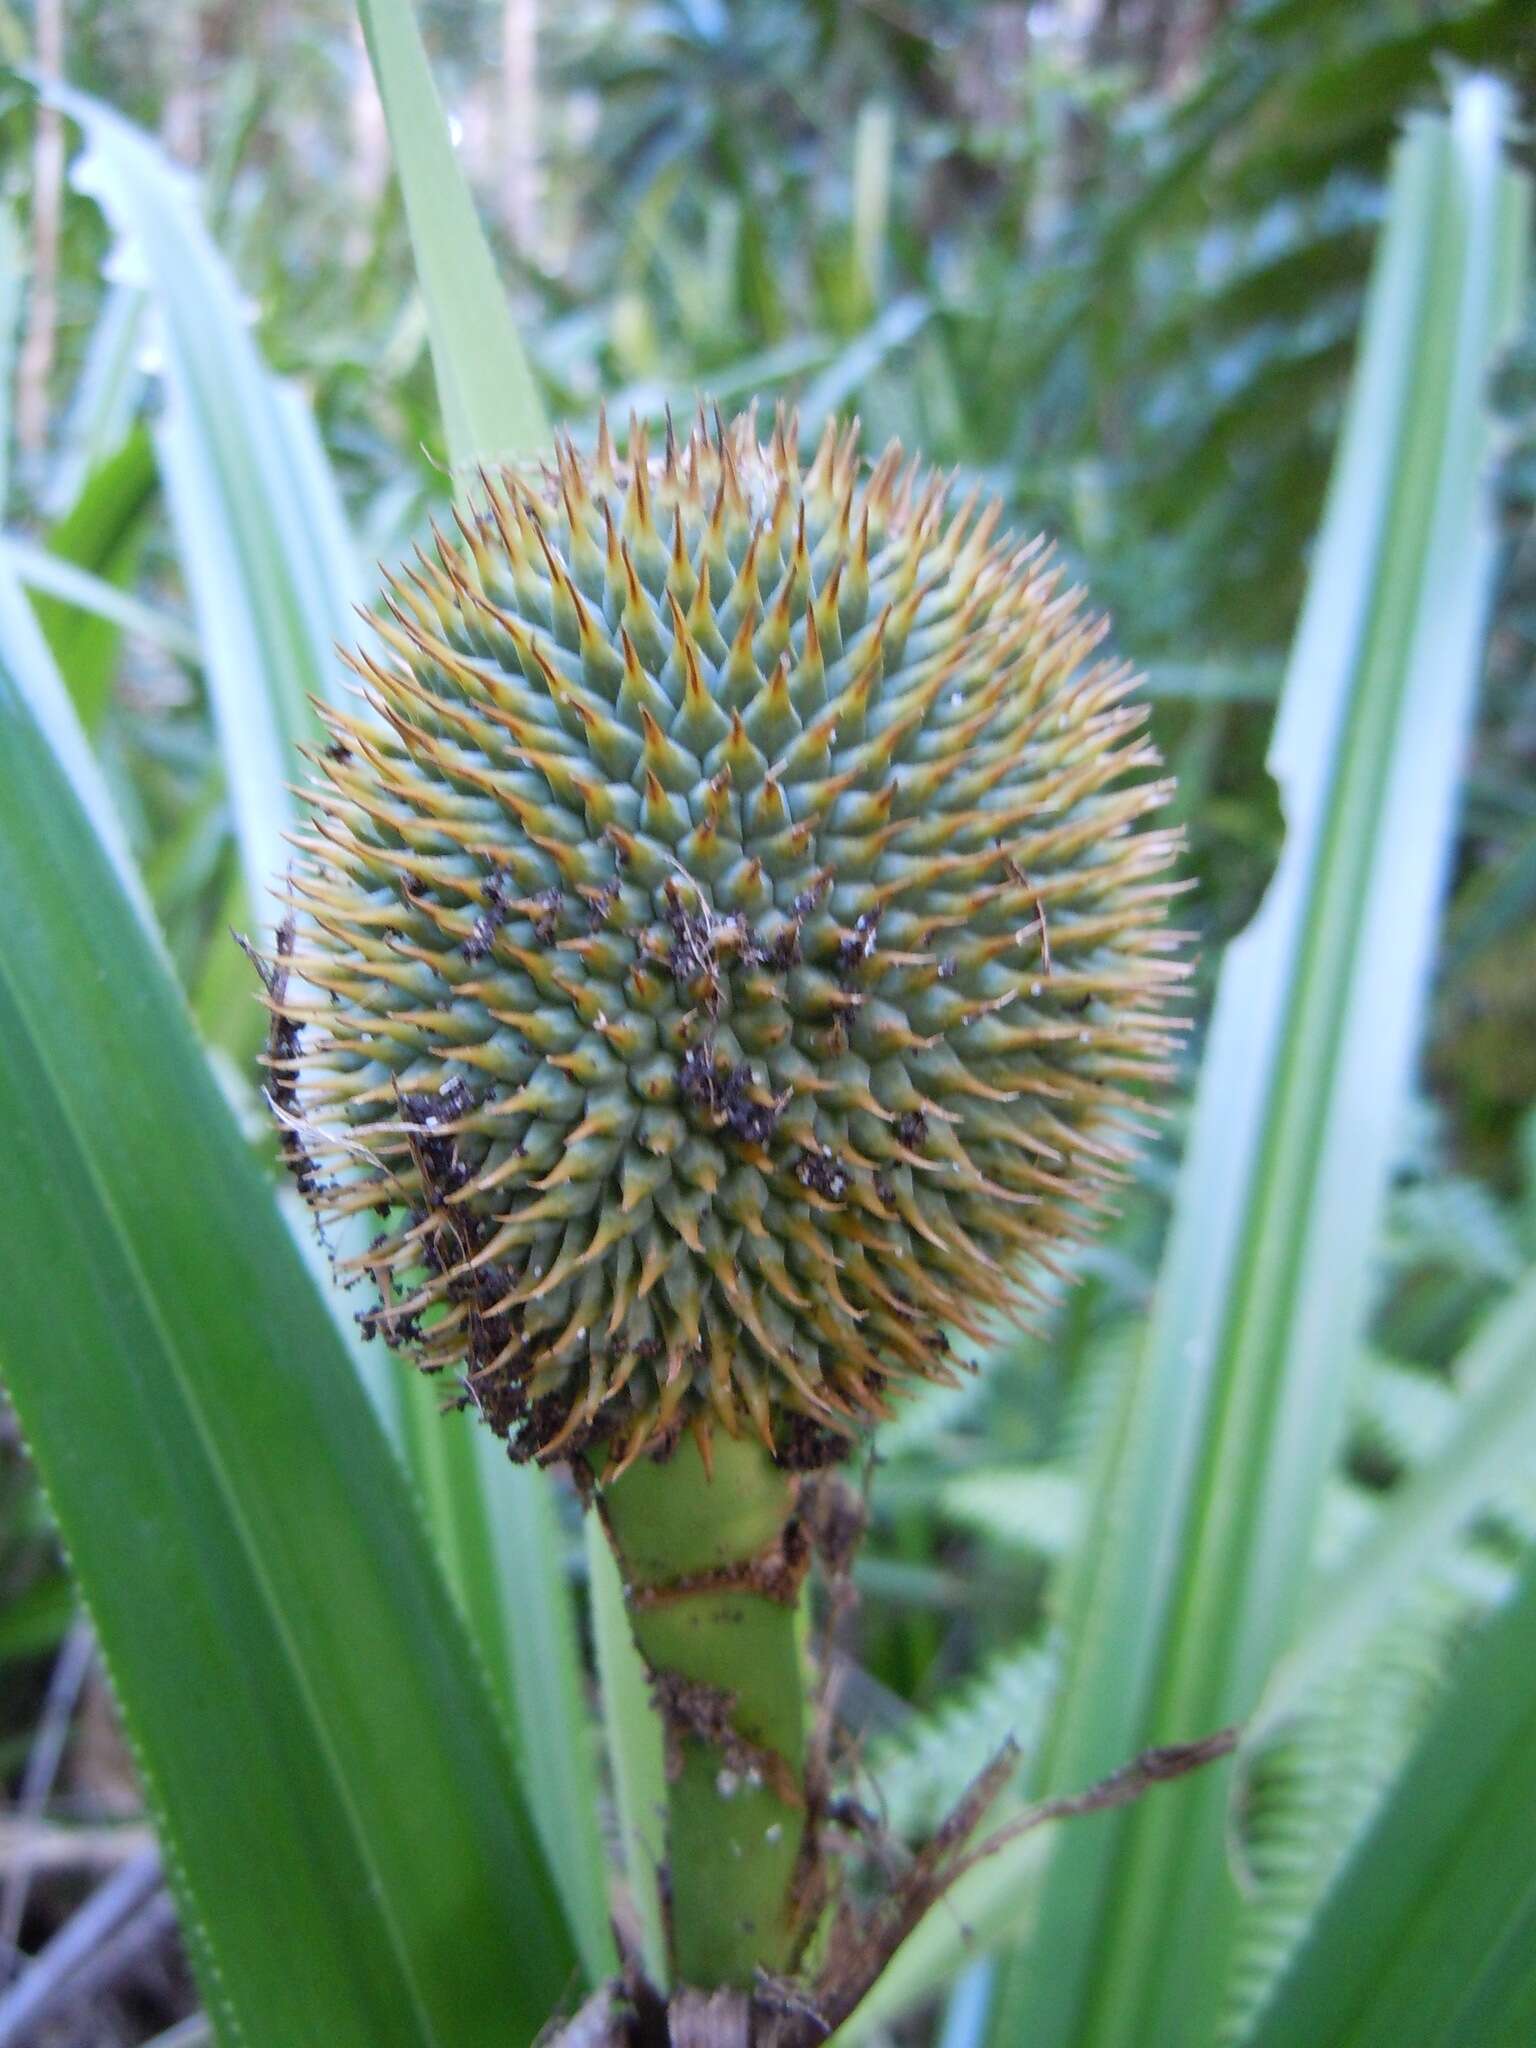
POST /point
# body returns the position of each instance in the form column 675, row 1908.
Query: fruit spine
column 728, row 942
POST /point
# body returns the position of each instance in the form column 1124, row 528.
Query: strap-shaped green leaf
column 498, row 1530
column 83, row 594
column 97, row 541
column 259, row 529
column 1428, row 1938
column 337, row 1803
column 492, row 411
column 1492, row 1445
column 1191, row 1579
column 257, row 516
column 636, row 1759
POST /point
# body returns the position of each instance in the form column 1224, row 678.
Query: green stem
column 711, row 1564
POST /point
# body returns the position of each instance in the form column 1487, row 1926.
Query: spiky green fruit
column 725, row 951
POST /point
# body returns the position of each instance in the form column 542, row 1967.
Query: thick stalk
column 712, row 1563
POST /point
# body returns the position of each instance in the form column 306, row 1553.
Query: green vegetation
column 1232, row 302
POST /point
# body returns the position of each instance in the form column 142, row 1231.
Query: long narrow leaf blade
column 557, row 1731
column 635, row 1750
column 355, row 1866
column 497, row 1527
column 12, row 291
column 53, row 578
column 1428, row 1938
column 515, row 1594
column 264, row 545
column 491, row 406
column 257, row 519
column 1494, row 1443
column 105, row 399
column 1190, row 1586
column 24, row 651
column 101, row 533
column 993, row 1903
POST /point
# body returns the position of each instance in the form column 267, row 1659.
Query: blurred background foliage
column 1106, row 255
